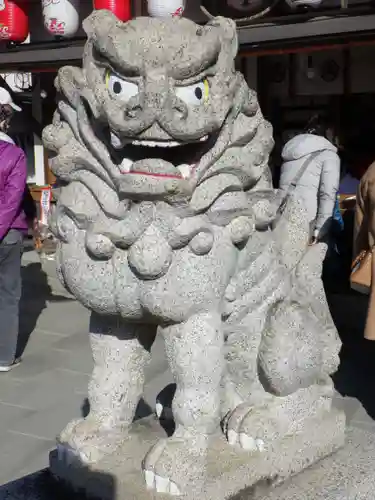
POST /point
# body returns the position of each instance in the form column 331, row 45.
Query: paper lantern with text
column 165, row 8
column 61, row 17
column 120, row 8
column 14, row 22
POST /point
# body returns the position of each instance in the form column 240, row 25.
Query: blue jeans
column 10, row 294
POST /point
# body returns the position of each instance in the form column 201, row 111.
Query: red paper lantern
column 14, row 23
column 120, row 8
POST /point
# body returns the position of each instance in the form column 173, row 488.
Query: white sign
column 45, row 205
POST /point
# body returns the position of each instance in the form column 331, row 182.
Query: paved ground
column 50, row 387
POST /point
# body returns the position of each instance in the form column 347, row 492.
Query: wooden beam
column 316, row 27
column 260, row 39
column 34, row 57
column 139, row 8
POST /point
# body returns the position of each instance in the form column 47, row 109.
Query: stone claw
column 160, row 484
column 159, row 409
column 88, row 441
column 246, row 428
column 174, row 464
column 245, row 441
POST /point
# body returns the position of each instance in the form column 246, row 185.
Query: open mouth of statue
column 158, row 158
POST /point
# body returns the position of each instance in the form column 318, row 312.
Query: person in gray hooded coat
column 318, row 185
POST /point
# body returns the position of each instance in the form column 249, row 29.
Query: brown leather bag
column 360, row 277
column 370, row 320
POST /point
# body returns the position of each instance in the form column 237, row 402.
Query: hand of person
column 35, row 226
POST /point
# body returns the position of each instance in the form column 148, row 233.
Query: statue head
column 158, row 104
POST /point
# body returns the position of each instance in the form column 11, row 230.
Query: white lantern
column 61, row 17
column 166, row 8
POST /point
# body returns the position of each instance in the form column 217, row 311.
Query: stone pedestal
column 232, row 473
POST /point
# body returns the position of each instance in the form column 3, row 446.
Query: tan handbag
column 360, row 277
column 370, row 320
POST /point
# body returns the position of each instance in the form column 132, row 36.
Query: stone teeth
column 154, row 144
column 117, row 143
column 185, row 171
column 125, row 166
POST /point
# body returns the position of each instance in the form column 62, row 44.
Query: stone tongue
column 155, row 166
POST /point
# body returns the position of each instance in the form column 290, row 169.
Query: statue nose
column 178, row 107
column 134, row 108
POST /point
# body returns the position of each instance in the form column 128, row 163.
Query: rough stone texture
column 346, row 475
column 162, row 154
column 229, row 470
column 49, row 268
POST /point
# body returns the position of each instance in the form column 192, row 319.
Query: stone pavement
column 50, row 387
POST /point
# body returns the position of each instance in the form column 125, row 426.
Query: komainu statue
column 163, row 228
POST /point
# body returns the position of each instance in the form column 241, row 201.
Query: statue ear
column 229, row 34
column 99, row 24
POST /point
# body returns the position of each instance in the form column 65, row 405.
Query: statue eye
column 194, row 95
column 122, row 89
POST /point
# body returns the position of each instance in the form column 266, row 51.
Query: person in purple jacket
column 13, row 226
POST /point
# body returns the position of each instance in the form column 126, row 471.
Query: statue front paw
column 88, row 441
column 176, row 464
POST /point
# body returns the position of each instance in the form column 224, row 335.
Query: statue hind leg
column 241, row 385
column 289, row 384
column 120, row 352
